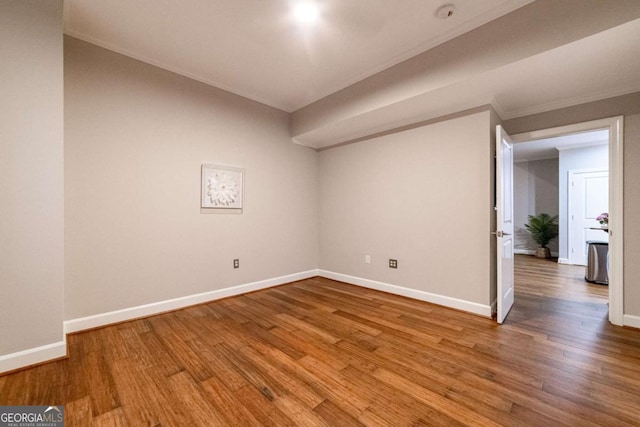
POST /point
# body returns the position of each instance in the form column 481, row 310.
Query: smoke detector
column 446, row 11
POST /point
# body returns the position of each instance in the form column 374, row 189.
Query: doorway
column 588, row 197
column 613, row 128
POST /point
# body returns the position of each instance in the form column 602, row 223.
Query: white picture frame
column 222, row 189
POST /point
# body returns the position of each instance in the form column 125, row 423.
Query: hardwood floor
column 319, row 352
column 546, row 277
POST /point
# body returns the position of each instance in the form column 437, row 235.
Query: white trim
column 563, row 261
column 625, row 89
column 523, row 251
column 280, row 105
column 615, row 125
column 458, row 304
column 633, row 321
column 581, row 145
column 536, row 158
column 32, row 356
column 588, row 170
column 290, row 106
column 465, row 27
column 616, row 221
column 102, row 319
column 497, row 107
column 576, row 128
column 530, row 252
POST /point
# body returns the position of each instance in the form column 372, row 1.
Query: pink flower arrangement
column 603, row 218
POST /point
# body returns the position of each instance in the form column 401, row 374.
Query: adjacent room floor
column 320, row 352
column 545, row 277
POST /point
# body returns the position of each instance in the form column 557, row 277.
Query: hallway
column 555, row 304
column 545, row 277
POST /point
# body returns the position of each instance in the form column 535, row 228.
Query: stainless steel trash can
column 597, row 268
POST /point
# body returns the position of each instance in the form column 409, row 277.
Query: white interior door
column 588, row 198
column 504, row 231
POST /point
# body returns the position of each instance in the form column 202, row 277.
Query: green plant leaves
column 543, row 228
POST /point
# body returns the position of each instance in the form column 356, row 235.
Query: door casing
column 615, row 126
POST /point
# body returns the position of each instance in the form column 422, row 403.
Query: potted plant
column 603, row 219
column 543, row 228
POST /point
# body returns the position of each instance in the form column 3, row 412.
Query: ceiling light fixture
column 306, row 12
column 446, row 11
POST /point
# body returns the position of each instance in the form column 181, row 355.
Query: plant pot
column 543, row 253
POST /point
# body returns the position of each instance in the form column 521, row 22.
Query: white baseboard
column 563, row 261
column 531, row 252
column 524, row 252
column 629, row 320
column 102, row 319
column 458, row 304
column 33, row 356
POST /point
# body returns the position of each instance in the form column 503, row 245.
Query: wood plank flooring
column 546, row 277
column 324, row 353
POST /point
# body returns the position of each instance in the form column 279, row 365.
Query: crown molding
column 108, row 46
column 570, row 102
column 467, row 26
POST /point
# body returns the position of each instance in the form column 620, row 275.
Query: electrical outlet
column 393, row 263
column 236, row 263
column 367, row 259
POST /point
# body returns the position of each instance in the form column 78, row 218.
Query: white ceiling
column 548, row 148
column 603, row 65
column 254, row 48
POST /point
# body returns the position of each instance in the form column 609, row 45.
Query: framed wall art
column 222, row 189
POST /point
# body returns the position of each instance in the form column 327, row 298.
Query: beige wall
column 421, row 196
column 629, row 106
column 535, row 191
column 135, row 137
column 31, row 175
